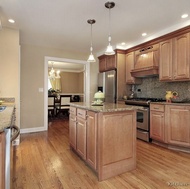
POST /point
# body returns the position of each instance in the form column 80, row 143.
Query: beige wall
column 32, row 78
column 10, row 67
column 72, row 82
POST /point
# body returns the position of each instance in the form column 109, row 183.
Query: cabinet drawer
column 81, row 113
column 157, row 107
column 73, row 110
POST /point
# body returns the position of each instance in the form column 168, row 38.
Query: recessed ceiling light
column 144, row 34
column 11, row 21
column 184, row 16
column 123, row 43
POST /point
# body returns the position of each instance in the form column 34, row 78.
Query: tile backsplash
column 152, row 87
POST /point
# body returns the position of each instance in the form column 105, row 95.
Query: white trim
column 86, row 82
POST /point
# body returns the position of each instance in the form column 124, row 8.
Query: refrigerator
column 107, row 83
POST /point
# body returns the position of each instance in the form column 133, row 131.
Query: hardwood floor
column 44, row 161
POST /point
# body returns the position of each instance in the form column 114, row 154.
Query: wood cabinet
column 174, row 59
column 130, row 64
column 157, row 127
column 106, row 141
column 107, row 62
column 115, row 62
column 178, row 125
column 81, row 133
column 91, row 133
column 72, row 127
column 2, row 160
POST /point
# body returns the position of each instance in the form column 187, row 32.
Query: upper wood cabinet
column 107, row 62
column 174, row 59
column 130, row 63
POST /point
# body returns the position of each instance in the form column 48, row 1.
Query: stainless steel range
column 143, row 115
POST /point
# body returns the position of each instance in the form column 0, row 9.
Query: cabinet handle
column 156, row 108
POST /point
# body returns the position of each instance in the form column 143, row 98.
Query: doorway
column 71, row 61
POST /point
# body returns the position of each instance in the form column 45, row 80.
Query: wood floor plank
column 44, row 160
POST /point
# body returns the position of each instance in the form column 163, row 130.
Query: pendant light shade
column 91, row 56
column 109, row 50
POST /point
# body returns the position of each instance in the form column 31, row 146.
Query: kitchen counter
column 104, row 137
column 6, row 116
column 173, row 103
column 107, row 107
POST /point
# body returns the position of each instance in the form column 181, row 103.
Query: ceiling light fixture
column 52, row 73
column 144, row 34
column 109, row 50
column 91, row 56
column 11, row 21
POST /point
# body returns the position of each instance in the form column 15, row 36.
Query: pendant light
column 109, row 50
column 91, row 56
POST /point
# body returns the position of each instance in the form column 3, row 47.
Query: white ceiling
column 62, row 24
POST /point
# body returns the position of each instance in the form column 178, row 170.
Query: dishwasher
column 11, row 133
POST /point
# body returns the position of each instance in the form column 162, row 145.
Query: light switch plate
column 41, row 90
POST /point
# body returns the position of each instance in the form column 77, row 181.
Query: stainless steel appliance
column 143, row 115
column 108, row 83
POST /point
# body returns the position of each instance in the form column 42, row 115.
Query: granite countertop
column 6, row 116
column 107, row 107
column 172, row 103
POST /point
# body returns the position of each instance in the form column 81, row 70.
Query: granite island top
column 6, row 116
column 106, row 107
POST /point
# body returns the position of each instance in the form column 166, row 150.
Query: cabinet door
column 181, row 57
column 102, row 64
column 157, row 125
column 130, row 66
column 92, row 139
column 81, row 137
column 72, row 130
column 165, row 67
column 111, row 63
column 2, row 160
column 178, row 125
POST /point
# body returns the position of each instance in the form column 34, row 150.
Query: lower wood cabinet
column 178, row 125
column 83, row 134
column 170, row 124
column 157, row 128
column 2, row 160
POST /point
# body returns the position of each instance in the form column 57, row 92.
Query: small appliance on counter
column 98, row 99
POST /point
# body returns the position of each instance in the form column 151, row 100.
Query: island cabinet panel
column 81, row 133
column 2, row 160
column 116, row 143
column 157, row 127
column 178, row 125
column 72, row 127
column 91, row 139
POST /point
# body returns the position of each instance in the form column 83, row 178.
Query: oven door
column 143, row 118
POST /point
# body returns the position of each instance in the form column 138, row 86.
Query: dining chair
column 64, row 105
column 51, row 106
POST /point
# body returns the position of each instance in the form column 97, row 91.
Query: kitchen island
column 104, row 137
